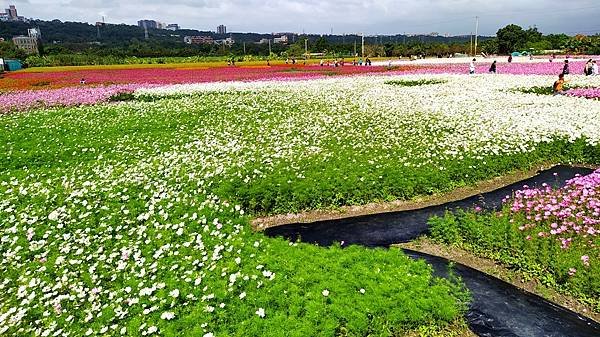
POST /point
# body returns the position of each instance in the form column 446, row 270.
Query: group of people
column 492, row 69
column 590, row 69
column 336, row 63
column 341, row 62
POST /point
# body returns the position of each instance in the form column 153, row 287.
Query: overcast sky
column 455, row 17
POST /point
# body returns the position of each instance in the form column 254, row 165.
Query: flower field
column 31, row 80
column 591, row 93
column 132, row 218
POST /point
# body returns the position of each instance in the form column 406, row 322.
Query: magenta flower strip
column 70, row 96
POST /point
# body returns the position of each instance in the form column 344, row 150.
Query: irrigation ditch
column 497, row 308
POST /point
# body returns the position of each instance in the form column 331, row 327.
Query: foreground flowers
column 592, row 93
column 570, row 215
column 550, row 234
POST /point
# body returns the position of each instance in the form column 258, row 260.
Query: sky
column 371, row 17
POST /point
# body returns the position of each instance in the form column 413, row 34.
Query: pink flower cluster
column 69, row 96
column 482, row 67
column 591, row 93
column 569, row 214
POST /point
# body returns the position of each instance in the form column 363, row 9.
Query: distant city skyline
column 384, row 17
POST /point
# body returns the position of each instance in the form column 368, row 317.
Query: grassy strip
column 414, row 83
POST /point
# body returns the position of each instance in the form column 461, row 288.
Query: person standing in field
column 509, row 58
column 493, row 67
column 472, row 67
column 566, row 68
column 594, row 68
column 587, row 70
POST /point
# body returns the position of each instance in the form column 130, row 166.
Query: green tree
column 511, row 38
column 490, row 46
column 557, row 41
column 533, row 35
column 9, row 50
column 321, row 45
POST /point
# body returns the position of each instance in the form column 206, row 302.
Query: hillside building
column 198, row 40
column 27, row 43
column 10, row 14
column 151, row 24
column 221, row 29
column 282, row 39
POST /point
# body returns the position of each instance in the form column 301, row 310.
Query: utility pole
column 354, row 47
column 476, row 33
column 471, row 45
column 305, row 47
column 269, row 47
column 363, row 44
column 244, row 48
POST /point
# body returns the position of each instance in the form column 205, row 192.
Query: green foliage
column 407, row 83
column 537, row 90
column 511, row 38
column 9, row 51
column 123, row 97
column 490, row 46
column 496, row 236
column 399, row 294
